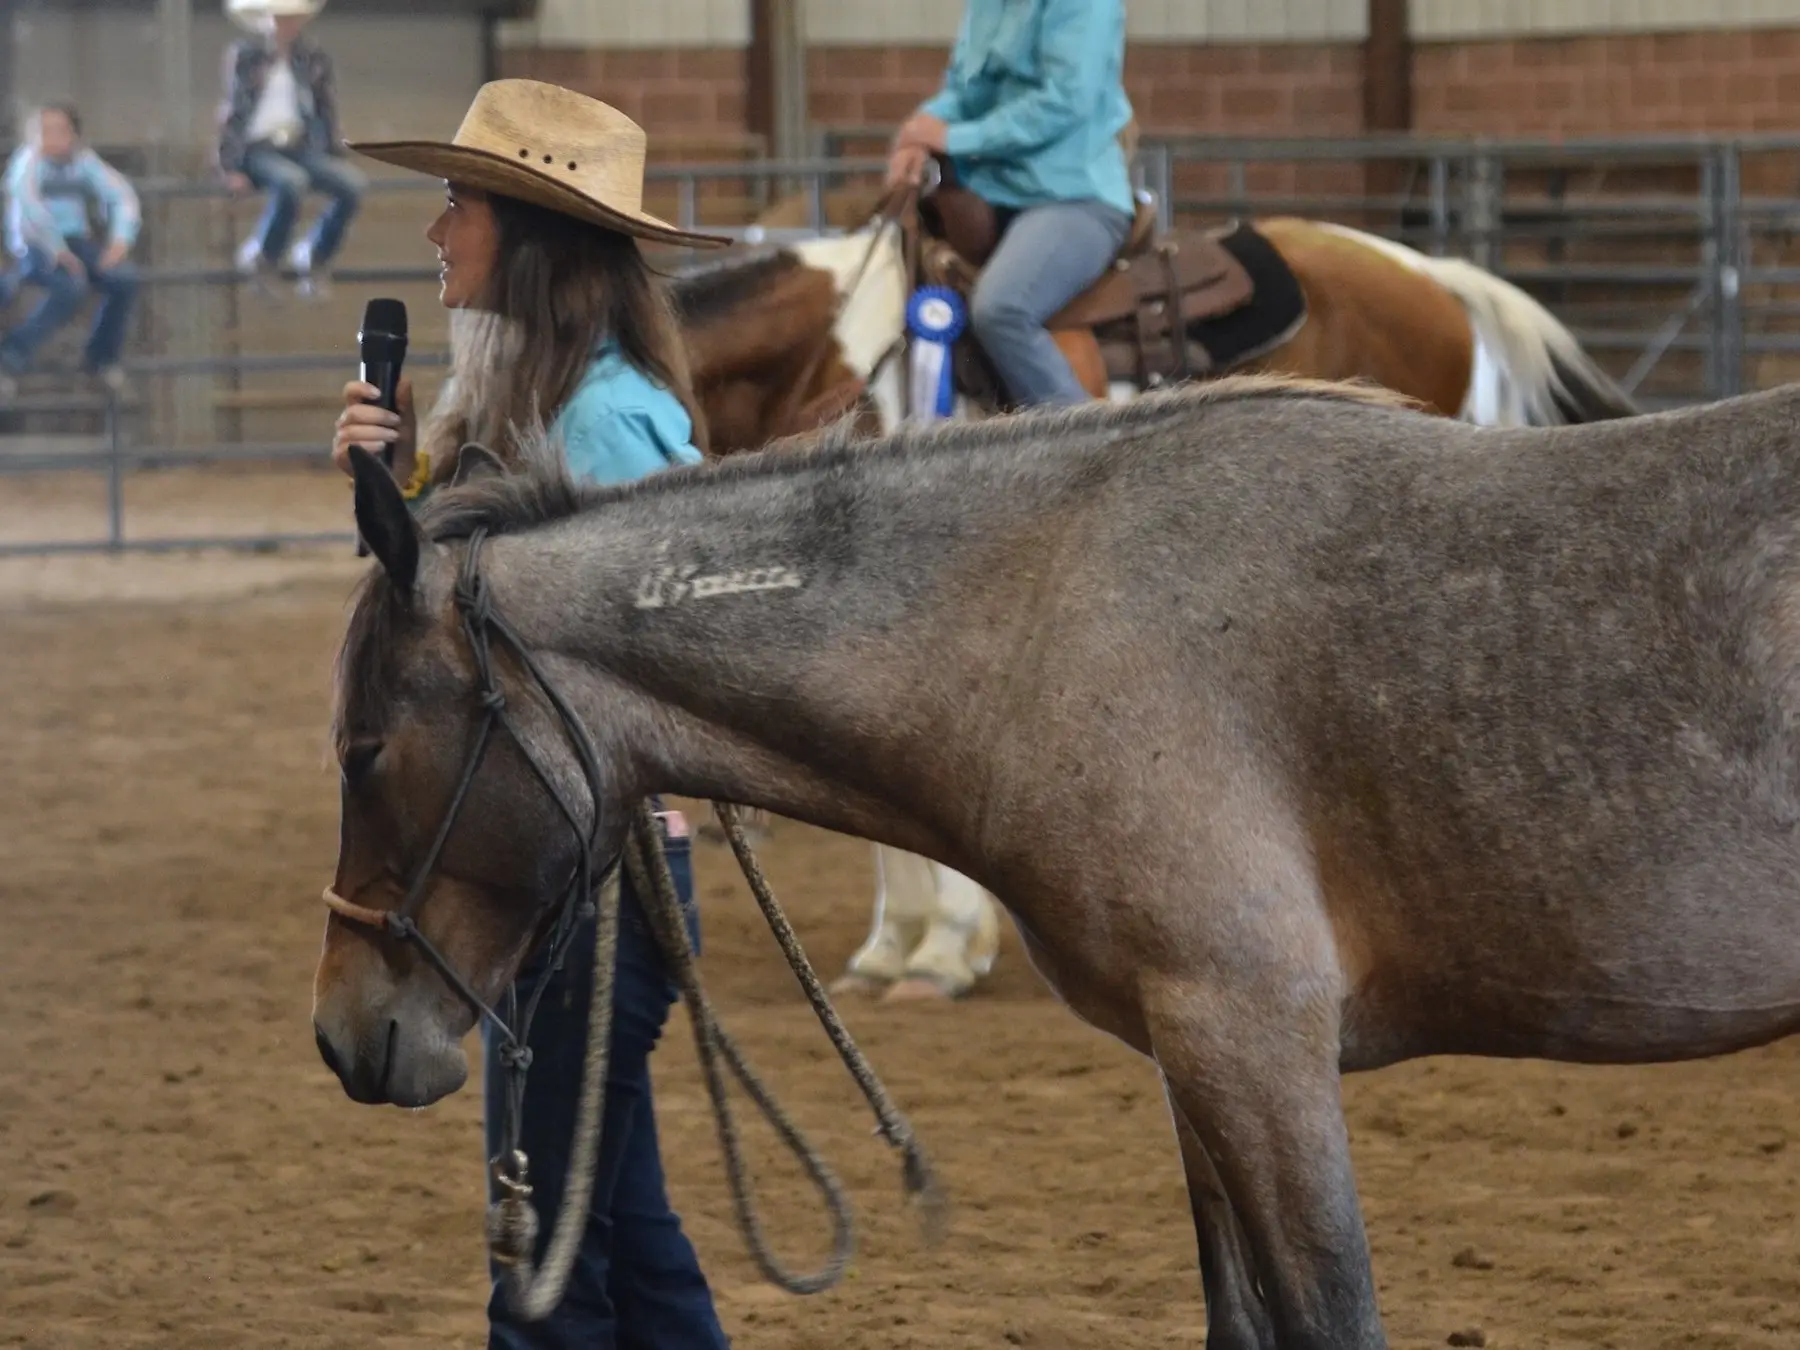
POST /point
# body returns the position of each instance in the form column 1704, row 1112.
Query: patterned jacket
column 247, row 66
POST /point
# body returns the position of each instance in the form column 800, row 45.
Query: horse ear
column 474, row 462
column 383, row 520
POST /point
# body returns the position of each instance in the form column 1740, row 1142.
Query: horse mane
column 710, row 291
column 540, row 491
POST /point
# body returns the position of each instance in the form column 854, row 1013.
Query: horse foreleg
column 904, row 901
column 1235, row 1316
column 1253, row 1069
column 960, row 941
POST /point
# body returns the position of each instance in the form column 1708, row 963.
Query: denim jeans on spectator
column 286, row 175
column 63, row 294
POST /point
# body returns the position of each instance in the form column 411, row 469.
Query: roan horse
column 1464, row 741
column 1458, row 339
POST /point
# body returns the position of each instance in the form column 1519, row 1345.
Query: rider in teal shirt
column 1029, row 116
column 1034, row 104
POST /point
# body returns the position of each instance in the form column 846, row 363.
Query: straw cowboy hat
column 550, row 146
column 254, row 13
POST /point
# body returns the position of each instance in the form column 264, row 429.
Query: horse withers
column 1460, row 741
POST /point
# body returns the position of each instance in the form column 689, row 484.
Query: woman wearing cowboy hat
column 556, row 314
column 278, row 131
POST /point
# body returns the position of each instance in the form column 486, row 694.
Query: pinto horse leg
column 959, row 944
column 903, row 901
column 1235, row 1316
column 1256, row 1075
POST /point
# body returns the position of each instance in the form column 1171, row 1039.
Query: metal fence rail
column 1681, row 279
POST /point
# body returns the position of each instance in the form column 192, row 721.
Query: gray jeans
column 1048, row 256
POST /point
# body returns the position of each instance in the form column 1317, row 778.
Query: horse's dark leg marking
column 1256, row 1075
column 1236, row 1318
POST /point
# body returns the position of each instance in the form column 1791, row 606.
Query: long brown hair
column 560, row 288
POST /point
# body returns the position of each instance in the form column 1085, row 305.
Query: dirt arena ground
column 180, row 1170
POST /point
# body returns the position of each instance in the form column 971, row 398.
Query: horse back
column 1371, row 318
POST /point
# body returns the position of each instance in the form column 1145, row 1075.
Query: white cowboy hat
column 254, row 13
column 550, row 146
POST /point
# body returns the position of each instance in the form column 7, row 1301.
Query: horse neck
column 868, row 270
column 819, row 640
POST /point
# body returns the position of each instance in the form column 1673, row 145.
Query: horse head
column 469, row 829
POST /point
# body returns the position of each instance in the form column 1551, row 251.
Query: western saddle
column 1138, row 313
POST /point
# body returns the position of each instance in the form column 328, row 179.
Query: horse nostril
column 326, row 1053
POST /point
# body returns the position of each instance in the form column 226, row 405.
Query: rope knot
column 493, row 699
column 516, row 1056
column 400, row 926
column 512, row 1229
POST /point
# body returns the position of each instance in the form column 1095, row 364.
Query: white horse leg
column 960, row 941
column 904, row 902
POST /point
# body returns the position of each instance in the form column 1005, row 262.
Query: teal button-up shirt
column 1035, row 100
column 619, row 424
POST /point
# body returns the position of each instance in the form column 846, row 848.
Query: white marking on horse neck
column 669, row 584
column 874, row 316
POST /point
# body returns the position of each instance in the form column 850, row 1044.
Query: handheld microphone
column 382, row 338
column 382, row 344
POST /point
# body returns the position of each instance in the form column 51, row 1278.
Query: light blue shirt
column 47, row 200
column 620, row 424
column 1035, row 100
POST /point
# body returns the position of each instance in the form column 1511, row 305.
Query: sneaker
column 309, row 284
column 256, row 268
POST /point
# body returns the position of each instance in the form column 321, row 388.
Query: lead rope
column 535, row 1291
column 650, row 876
column 512, row 1226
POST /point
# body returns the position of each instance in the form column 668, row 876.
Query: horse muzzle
column 388, row 1040
column 390, row 1059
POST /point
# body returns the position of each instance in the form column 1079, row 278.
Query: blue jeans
column 636, row 1282
column 286, row 175
column 63, row 295
column 1049, row 255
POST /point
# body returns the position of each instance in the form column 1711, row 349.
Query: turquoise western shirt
column 619, row 424
column 1035, row 101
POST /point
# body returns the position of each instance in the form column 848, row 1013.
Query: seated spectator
column 54, row 184
column 278, row 131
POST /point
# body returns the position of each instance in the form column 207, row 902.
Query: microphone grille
column 385, row 316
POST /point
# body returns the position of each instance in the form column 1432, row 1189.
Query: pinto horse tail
column 1528, row 370
column 1533, row 369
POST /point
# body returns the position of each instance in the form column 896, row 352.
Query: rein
column 893, row 210
column 512, row 1223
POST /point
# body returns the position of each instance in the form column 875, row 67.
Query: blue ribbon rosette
column 936, row 317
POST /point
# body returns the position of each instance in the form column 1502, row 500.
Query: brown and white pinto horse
column 1459, row 340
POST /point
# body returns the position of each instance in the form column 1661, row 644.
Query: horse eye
column 359, row 758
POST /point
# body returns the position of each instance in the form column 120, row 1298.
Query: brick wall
column 1274, row 88
column 1249, row 89
column 1606, row 85
column 692, row 99
column 683, row 96
column 1613, row 85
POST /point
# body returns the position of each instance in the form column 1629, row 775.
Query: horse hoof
column 920, row 989
column 857, row 986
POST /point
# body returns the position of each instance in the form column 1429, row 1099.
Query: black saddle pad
column 1272, row 315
